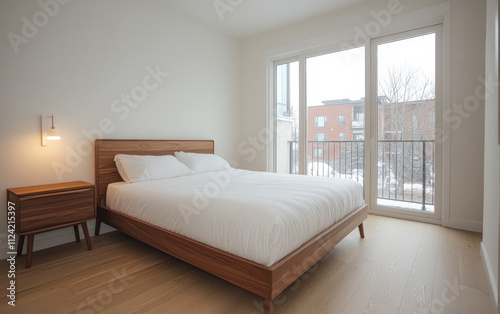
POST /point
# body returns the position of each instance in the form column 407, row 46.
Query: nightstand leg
column 20, row 244
column 77, row 233
column 97, row 226
column 86, row 233
column 31, row 238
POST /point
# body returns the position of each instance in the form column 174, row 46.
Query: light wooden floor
column 400, row 267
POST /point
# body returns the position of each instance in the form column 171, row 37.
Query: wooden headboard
column 105, row 151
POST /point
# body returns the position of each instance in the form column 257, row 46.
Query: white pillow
column 200, row 163
column 135, row 168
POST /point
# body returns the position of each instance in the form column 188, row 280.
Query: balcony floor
column 405, row 205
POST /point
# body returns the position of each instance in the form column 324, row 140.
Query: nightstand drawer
column 52, row 209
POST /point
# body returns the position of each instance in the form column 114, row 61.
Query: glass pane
column 287, row 117
column 335, row 90
column 406, row 124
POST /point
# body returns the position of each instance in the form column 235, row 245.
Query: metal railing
column 405, row 167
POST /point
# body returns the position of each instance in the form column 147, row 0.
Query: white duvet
column 259, row 216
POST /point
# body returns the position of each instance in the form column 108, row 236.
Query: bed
column 265, row 276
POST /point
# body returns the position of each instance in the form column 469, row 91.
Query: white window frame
column 297, row 51
column 434, row 217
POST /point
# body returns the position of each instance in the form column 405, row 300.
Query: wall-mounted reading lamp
column 48, row 130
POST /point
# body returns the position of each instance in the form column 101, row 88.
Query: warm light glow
column 48, row 130
column 52, row 134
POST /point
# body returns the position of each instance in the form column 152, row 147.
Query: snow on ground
column 405, row 205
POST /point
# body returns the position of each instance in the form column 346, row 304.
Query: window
column 342, row 120
column 320, row 121
column 359, row 136
column 359, row 116
column 432, row 117
column 286, row 121
column 406, row 155
column 415, row 121
column 396, row 123
column 283, row 90
column 320, row 137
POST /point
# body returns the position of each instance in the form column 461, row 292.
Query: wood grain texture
column 47, row 207
column 106, row 150
column 31, row 238
column 77, row 233
column 267, row 282
column 86, row 234
column 447, row 272
column 53, row 209
column 52, row 188
column 417, row 296
column 122, row 275
column 247, row 274
column 287, row 270
column 264, row 281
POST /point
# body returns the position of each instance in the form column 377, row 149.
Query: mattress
column 259, row 216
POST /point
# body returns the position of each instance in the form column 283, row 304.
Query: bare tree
column 406, row 112
column 406, row 99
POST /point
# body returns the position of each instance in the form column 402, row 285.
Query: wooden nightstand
column 47, row 207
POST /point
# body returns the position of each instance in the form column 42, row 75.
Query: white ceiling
column 241, row 18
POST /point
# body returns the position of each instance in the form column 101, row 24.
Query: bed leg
column 97, row 226
column 268, row 306
column 361, row 230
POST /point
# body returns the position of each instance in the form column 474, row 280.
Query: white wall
column 86, row 56
column 489, row 247
column 467, row 64
column 468, row 29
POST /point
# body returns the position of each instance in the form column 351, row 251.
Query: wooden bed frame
column 264, row 281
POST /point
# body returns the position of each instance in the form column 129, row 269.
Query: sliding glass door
column 287, row 117
column 325, row 126
column 404, row 76
column 335, row 89
column 331, row 116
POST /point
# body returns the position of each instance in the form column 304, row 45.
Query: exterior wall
column 332, row 129
column 425, row 128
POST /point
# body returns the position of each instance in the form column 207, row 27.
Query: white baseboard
column 466, row 225
column 489, row 276
column 54, row 238
column 403, row 216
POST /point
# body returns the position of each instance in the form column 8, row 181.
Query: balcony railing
column 405, row 167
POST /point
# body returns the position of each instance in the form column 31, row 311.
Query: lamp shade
column 52, row 134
